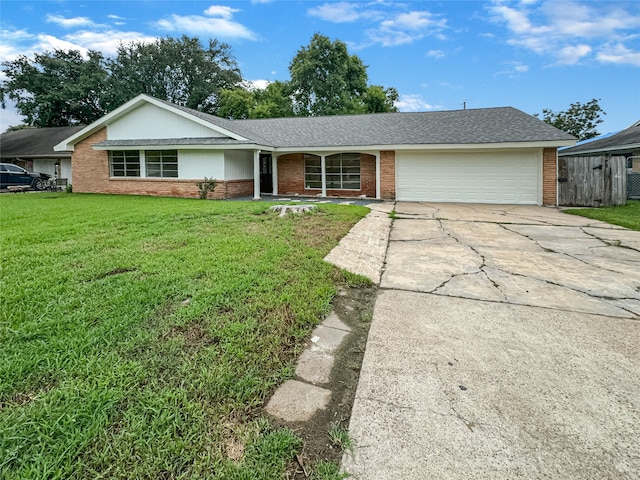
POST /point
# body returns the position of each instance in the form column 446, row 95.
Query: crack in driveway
column 504, row 291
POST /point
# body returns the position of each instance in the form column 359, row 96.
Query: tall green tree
column 57, row 88
column 179, row 70
column 327, row 80
column 580, row 119
column 378, row 99
column 271, row 102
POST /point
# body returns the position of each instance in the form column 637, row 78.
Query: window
column 312, row 171
column 161, row 163
column 343, row 171
column 124, row 163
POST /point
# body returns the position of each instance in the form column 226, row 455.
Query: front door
column 266, row 174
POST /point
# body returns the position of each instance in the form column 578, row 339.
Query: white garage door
column 473, row 177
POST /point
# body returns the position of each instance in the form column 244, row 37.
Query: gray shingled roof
column 486, row 125
column 628, row 138
column 35, row 142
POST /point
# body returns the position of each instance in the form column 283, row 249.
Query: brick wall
column 549, row 176
column 388, row 175
column 91, row 175
column 291, row 177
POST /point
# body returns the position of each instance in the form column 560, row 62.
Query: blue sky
column 527, row 54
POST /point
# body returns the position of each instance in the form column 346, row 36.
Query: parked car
column 11, row 175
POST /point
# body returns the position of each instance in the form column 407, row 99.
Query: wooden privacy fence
column 592, row 181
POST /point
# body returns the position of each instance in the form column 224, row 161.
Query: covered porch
column 325, row 174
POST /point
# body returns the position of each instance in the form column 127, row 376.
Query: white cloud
column 569, row 32
column 218, row 22
column 618, row 54
column 256, row 84
column 106, row 41
column 341, row 12
column 10, row 117
column 413, row 21
column 572, row 54
column 435, row 53
column 514, row 70
column 406, row 28
column 390, row 23
column 74, row 22
column 221, row 11
column 49, row 42
column 102, row 39
column 415, row 103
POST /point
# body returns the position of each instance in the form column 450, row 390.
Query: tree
column 271, row 102
column 326, row 80
column 274, row 101
column 57, row 88
column 378, row 99
column 236, row 104
column 180, row 71
column 580, row 120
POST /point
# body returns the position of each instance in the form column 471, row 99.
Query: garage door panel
column 480, row 177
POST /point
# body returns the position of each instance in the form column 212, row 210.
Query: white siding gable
column 151, row 122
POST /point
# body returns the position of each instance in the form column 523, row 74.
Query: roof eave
column 620, row 148
column 431, row 146
column 239, row 146
column 54, row 155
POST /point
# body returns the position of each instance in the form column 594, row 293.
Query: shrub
column 206, row 186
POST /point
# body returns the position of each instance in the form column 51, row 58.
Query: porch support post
column 256, row 175
column 323, row 170
column 274, row 173
column 378, row 175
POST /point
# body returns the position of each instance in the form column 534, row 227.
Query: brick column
column 388, row 175
column 550, row 176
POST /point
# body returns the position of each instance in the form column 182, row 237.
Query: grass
column 341, row 438
column 624, row 215
column 142, row 335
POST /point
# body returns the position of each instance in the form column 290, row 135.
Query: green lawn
column 140, row 336
column 625, row 215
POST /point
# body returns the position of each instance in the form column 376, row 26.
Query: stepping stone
column 315, row 367
column 334, row 321
column 297, row 401
column 327, row 339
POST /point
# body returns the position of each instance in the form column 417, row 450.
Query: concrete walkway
column 504, row 344
column 364, row 248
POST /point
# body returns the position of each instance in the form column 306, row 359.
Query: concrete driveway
column 505, row 343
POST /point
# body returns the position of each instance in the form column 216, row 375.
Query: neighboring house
column 493, row 155
column 32, row 149
column 626, row 142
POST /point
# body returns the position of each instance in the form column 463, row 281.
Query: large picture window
column 124, row 163
column 343, row 171
column 161, row 163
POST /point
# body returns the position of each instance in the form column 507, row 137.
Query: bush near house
column 140, row 336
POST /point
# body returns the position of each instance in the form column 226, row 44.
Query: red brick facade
column 91, row 175
column 549, row 176
column 291, row 177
